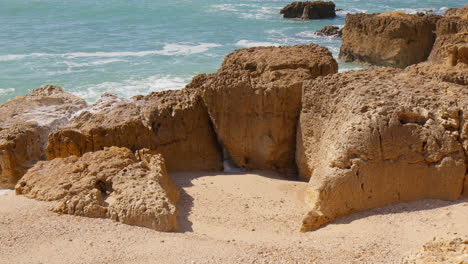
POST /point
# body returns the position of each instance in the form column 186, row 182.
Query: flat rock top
column 277, row 58
column 42, row 107
column 111, row 110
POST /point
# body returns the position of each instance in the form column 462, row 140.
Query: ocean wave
column 249, row 43
column 5, row 91
column 92, row 63
column 131, row 87
column 247, row 11
column 168, row 50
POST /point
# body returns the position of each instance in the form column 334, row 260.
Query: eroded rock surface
column 173, row 123
column 132, row 188
column 375, row 137
column 329, row 31
column 254, row 101
column 309, row 10
column 441, row 251
column 26, row 122
column 451, row 44
column 391, row 39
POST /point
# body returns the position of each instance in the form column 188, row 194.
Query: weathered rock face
column 173, row 123
column 391, row 39
column 375, row 137
column 461, row 12
column 330, row 31
column 451, row 44
column 309, row 10
column 130, row 188
column 254, row 101
column 440, row 251
column 26, row 122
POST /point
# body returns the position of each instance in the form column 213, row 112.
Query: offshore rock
column 173, row 123
column 254, row 102
column 376, row 137
column 132, row 188
column 309, row 10
column 391, row 39
column 329, row 31
column 26, row 122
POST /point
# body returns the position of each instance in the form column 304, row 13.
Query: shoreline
column 30, row 233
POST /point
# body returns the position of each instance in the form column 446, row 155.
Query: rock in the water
column 132, row 188
column 375, row 137
column 309, row 10
column 441, row 251
column 26, row 122
column 173, row 123
column 254, row 101
column 451, row 44
column 391, row 39
column 329, row 31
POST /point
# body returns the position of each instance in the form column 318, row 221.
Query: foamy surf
column 131, row 87
column 168, row 50
column 249, row 43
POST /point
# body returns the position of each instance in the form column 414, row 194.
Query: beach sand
column 227, row 218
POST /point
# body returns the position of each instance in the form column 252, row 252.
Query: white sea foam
column 4, row 191
column 247, row 11
column 168, row 50
column 5, row 91
column 92, row 63
column 132, row 87
column 249, row 43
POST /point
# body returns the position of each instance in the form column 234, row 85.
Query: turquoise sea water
column 131, row 47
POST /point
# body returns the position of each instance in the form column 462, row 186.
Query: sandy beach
column 227, row 218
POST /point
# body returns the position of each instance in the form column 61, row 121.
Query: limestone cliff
column 130, row 188
column 26, row 122
column 254, row 101
column 174, row 123
column 375, row 137
column 391, row 39
column 451, row 44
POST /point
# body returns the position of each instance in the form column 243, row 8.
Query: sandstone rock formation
column 391, row 39
column 309, row 10
column 330, row 31
column 451, row 44
column 173, row 123
column 130, row 188
column 26, row 122
column 461, row 12
column 441, row 251
column 375, row 137
column 254, row 101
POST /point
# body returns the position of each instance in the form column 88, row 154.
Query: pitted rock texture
column 173, row 123
column 441, row 251
column 132, row 188
column 451, row 45
column 329, row 31
column 375, row 137
column 457, row 12
column 309, row 10
column 391, row 39
column 254, row 101
column 26, row 122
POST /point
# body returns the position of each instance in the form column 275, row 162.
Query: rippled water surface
column 131, row 47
